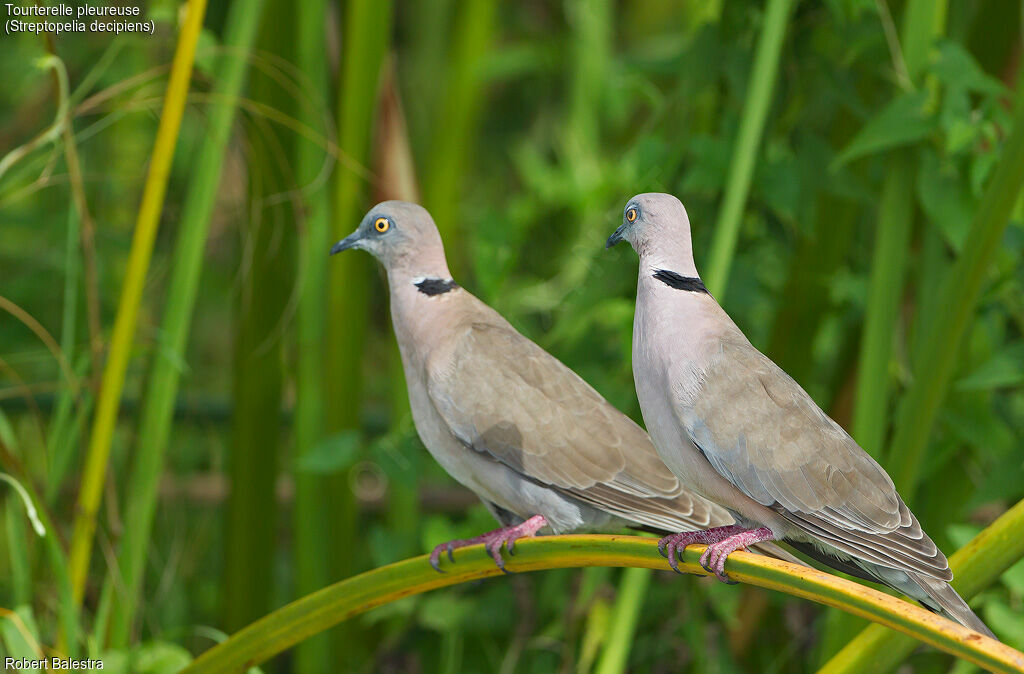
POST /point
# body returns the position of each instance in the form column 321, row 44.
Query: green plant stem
column 131, row 295
column 892, row 239
column 164, row 379
column 310, row 521
column 959, row 297
column 299, row 620
column 622, row 628
column 745, row 152
column 975, row 566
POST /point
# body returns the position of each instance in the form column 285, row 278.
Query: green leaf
column 19, row 633
column 1005, row 368
column 1014, row 578
column 1005, row 622
column 956, row 68
column 902, row 122
column 443, row 612
column 945, row 198
column 333, row 454
column 159, row 657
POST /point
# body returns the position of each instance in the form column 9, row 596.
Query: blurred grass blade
column 299, row 620
column 748, row 140
column 261, row 317
column 20, row 568
column 624, row 615
column 975, row 566
column 935, row 365
column 310, row 520
column 60, row 442
column 131, row 294
column 162, row 387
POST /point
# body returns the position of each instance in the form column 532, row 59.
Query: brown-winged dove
column 739, row 431
column 537, row 444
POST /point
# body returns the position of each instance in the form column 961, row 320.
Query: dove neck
column 676, row 259
column 412, row 265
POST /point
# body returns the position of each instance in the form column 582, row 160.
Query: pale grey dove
column 535, row 442
column 739, row 431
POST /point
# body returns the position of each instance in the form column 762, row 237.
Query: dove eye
column 382, row 225
column 631, row 215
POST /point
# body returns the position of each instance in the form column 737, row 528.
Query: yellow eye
column 381, row 225
column 631, row 215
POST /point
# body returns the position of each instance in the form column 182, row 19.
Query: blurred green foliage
column 529, row 124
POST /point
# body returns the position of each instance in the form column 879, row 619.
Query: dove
column 740, row 432
column 538, row 445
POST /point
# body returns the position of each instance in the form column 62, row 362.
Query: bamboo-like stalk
column 310, row 521
column 131, row 295
column 299, row 620
column 885, row 288
column 745, row 152
column 936, row 363
column 162, row 387
column 366, row 40
column 975, row 566
column 258, row 370
column 455, row 127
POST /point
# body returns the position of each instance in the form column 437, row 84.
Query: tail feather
column 944, row 600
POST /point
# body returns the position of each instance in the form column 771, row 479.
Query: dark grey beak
column 616, row 237
column 346, row 243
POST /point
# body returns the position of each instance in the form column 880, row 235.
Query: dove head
column 403, row 237
column 657, row 227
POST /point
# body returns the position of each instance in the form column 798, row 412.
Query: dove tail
column 939, row 596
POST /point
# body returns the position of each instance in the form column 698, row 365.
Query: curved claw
column 435, row 558
column 673, row 559
column 494, row 550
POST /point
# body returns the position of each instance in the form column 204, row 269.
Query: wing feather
column 760, row 430
column 502, row 395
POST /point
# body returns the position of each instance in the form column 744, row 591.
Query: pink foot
column 492, row 540
column 713, row 559
column 673, row 546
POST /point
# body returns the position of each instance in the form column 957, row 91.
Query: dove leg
column 713, row 559
column 672, row 546
column 492, row 540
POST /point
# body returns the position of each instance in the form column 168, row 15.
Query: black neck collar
column 673, row 280
column 436, row 286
